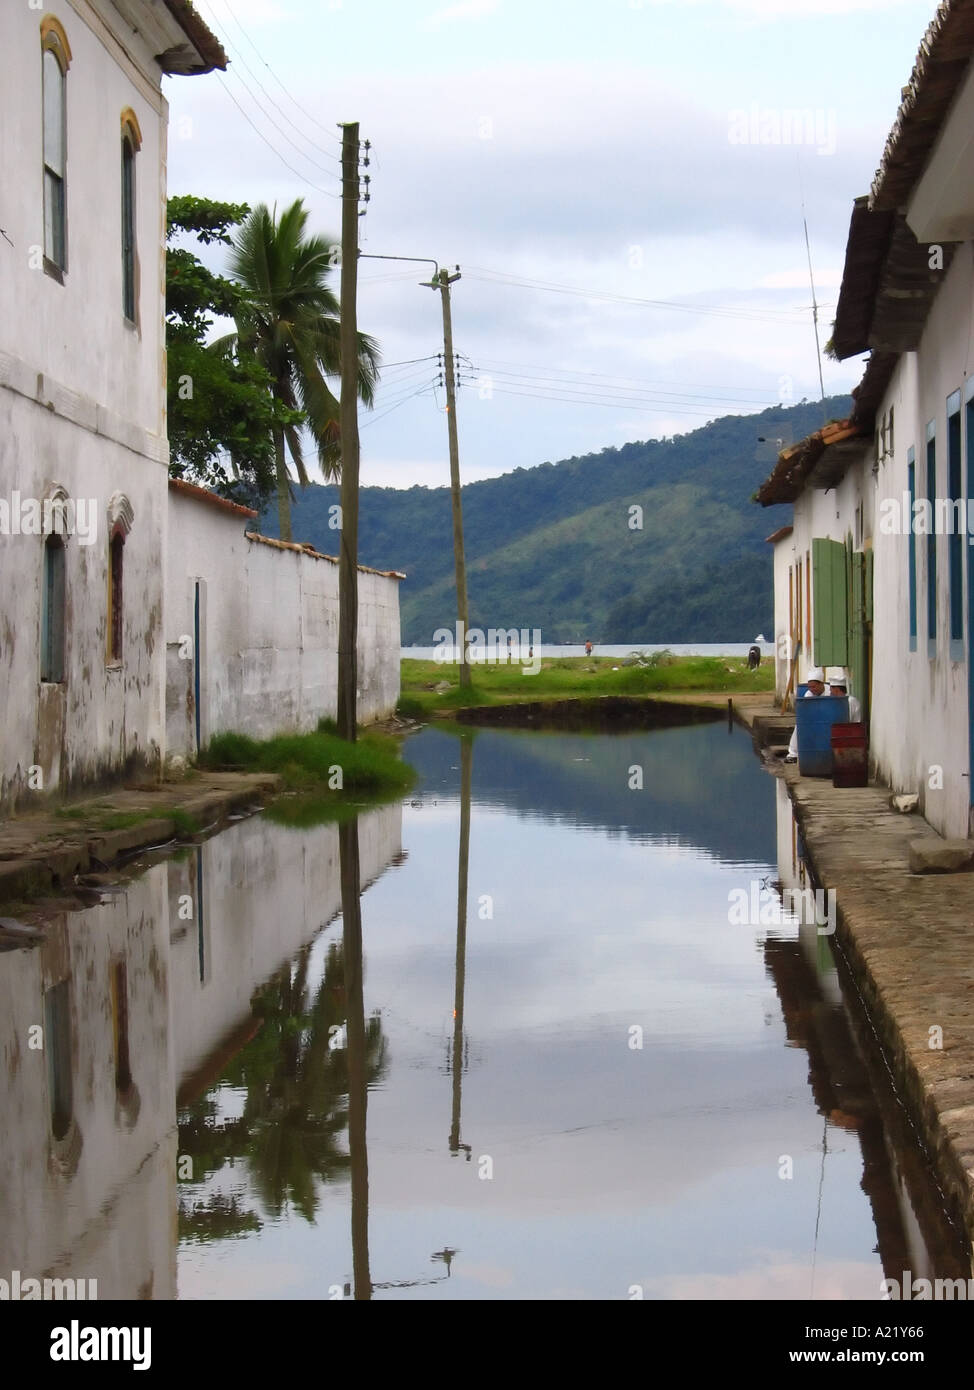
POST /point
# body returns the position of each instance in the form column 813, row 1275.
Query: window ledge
column 113, row 665
column 956, row 649
column 55, row 271
column 931, row 649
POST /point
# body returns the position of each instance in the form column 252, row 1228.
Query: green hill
column 552, row 548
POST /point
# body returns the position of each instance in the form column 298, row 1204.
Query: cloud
column 830, row 278
column 777, row 9
column 467, row 9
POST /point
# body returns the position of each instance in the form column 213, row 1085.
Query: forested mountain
column 552, row 547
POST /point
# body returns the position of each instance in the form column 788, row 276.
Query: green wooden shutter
column 857, row 636
column 830, row 620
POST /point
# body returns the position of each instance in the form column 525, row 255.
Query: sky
column 620, row 182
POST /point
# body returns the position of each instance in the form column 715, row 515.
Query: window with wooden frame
column 131, row 143
column 52, row 611
column 55, row 60
column 116, row 556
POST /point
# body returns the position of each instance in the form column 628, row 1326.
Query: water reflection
column 190, row 985
column 257, row 1037
column 458, row 1052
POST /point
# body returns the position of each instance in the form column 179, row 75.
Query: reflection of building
column 134, row 997
column 82, row 382
column 850, row 1084
column 240, row 907
column 87, row 1149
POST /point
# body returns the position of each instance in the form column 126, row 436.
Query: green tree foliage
column 222, row 410
column 295, row 1113
column 288, row 321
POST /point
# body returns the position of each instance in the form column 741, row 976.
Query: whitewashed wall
column 919, row 715
column 920, row 705
column 818, row 514
column 82, row 403
column 269, row 631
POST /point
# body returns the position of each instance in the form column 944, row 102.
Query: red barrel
column 850, row 760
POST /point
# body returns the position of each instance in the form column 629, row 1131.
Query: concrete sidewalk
column 909, row 941
column 42, row 852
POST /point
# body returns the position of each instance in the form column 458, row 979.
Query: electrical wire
column 296, row 172
column 643, row 408
column 329, row 154
column 495, row 277
column 307, row 114
column 373, row 419
column 626, row 392
column 489, row 362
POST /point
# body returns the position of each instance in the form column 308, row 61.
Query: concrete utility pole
column 348, row 555
column 443, row 282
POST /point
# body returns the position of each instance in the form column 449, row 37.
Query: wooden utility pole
column 348, row 555
column 444, row 281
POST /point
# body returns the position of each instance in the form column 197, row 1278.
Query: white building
column 83, row 451
column 876, row 573
column 252, row 628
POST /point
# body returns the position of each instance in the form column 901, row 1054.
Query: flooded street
column 583, row 1077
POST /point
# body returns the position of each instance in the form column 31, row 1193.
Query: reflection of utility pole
column 356, row 1053
column 466, row 779
column 442, row 282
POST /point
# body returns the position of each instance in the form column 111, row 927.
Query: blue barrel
column 814, row 718
column 802, row 687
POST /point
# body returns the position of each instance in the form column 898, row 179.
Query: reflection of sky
column 612, row 1166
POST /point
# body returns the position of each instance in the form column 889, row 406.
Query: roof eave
column 204, row 52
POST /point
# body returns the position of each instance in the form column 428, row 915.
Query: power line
column 521, row 378
column 329, row 154
column 373, row 419
column 407, row 362
column 296, row 172
column 662, row 407
column 718, row 311
column 307, row 114
column 603, row 376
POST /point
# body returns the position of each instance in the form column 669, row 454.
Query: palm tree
column 289, row 320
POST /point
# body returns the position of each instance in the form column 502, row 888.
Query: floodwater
column 566, row 1043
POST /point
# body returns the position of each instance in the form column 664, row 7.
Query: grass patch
column 320, row 764
column 658, row 673
column 410, row 708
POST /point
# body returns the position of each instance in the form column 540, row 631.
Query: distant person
column 815, row 680
column 839, row 685
column 588, row 649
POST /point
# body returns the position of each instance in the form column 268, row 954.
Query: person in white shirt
column 839, row 685
column 815, row 680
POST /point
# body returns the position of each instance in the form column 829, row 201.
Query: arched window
column 55, row 59
column 115, row 557
column 52, row 611
column 120, row 518
column 131, row 141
